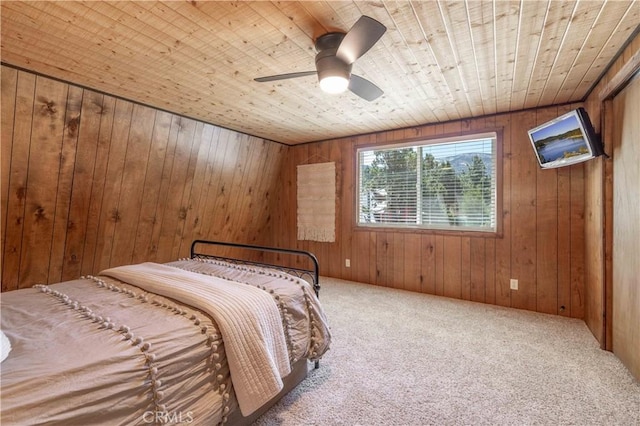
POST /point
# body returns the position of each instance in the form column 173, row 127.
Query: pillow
column 5, row 346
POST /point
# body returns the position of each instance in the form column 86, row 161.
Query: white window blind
column 447, row 184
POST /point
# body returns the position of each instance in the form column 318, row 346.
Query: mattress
column 103, row 350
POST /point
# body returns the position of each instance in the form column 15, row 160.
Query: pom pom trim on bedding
column 248, row 318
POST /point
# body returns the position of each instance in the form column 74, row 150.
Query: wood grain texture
column 438, row 61
column 90, row 182
column 626, row 233
column 599, row 209
column 541, row 242
column 43, row 169
column 7, row 115
column 546, row 243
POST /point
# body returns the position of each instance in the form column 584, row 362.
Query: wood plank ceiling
column 438, row 61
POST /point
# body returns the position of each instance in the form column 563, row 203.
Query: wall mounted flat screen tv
column 566, row 140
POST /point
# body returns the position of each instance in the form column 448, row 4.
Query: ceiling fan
column 337, row 51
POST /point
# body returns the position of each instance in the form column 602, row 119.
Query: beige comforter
column 248, row 319
column 103, row 351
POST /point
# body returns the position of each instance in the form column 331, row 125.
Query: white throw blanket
column 248, row 318
column 5, row 346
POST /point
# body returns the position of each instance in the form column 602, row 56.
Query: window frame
column 439, row 139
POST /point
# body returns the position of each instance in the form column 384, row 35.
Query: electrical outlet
column 514, row 284
column 347, row 263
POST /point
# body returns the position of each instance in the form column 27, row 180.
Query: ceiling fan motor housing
column 329, row 41
column 328, row 65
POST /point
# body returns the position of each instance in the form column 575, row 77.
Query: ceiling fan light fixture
column 337, row 51
column 334, row 84
column 333, row 73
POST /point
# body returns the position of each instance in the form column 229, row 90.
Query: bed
column 210, row 339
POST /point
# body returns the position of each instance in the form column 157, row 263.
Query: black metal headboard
column 309, row 274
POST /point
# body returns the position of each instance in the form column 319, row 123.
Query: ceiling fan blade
column 285, row 76
column 360, row 38
column 364, row 88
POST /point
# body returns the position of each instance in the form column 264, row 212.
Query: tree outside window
column 448, row 185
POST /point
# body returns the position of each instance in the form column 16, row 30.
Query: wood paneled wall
column 542, row 244
column 626, row 232
column 610, row 297
column 90, row 181
column 599, row 197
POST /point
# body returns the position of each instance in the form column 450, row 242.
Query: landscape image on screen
column 561, row 141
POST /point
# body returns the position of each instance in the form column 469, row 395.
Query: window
column 447, row 184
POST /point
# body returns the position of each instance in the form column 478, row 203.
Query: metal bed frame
column 308, row 274
column 311, row 274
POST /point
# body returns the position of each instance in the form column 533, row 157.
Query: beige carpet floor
column 401, row 358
